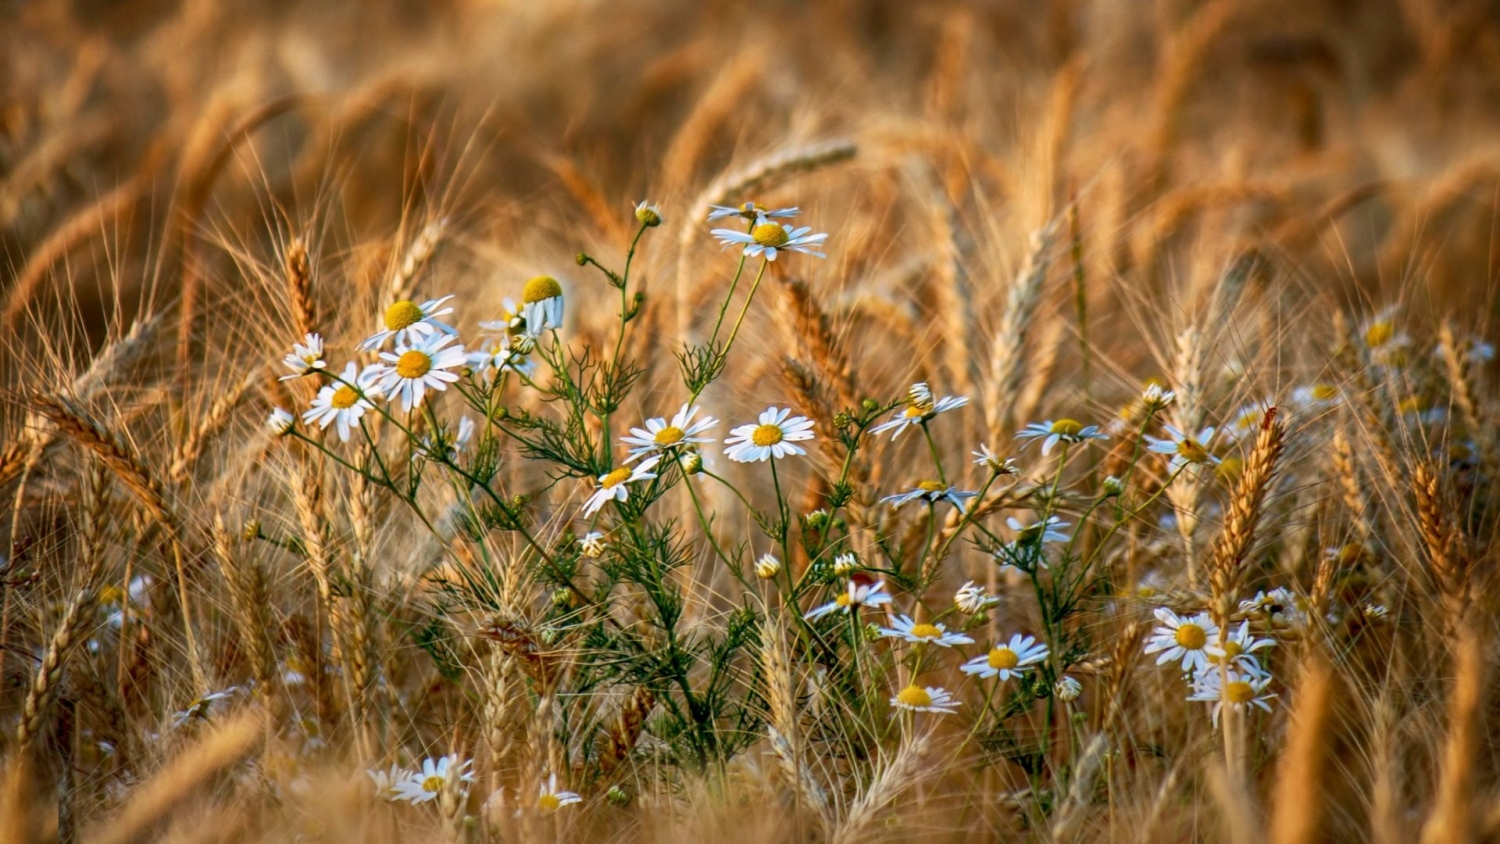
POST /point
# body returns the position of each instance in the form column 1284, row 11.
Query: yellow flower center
column 770, row 234
column 765, row 435
column 403, row 314
column 925, row 631
column 344, row 397
column 1191, row 636
column 670, row 435
column 1324, row 392
column 843, row 599
column 1380, row 333
column 1003, row 658
column 1230, row 469
column 413, row 364
column 1410, row 404
column 932, row 486
column 541, row 288
column 915, row 411
column 1232, row 649
column 433, row 783
column 615, row 478
column 548, row 803
column 1192, row 451
column 914, row 696
column 1067, row 427
column 1239, row 691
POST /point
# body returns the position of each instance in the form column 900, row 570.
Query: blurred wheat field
column 1136, row 480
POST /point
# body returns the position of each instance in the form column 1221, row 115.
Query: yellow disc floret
column 1191, row 451
column 1003, row 658
column 925, row 631
column 844, row 599
column 670, row 435
column 433, row 783
column 615, row 478
column 771, row 235
column 344, row 397
column 1239, row 691
column 1379, row 333
column 541, row 288
column 767, row 435
column 932, row 486
column 1191, row 636
column 403, row 314
column 914, row 696
column 548, row 803
column 413, row 364
column 1067, row 427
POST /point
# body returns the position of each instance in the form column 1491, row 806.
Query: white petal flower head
column 647, row 214
column 972, row 599
column 592, row 544
column 199, row 709
column 306, row 357
column 859, row 593
column 767, row 239
column 549, row 799
column 923, row 633
column 410, row 371
column 427, row 784
column 845, row 563
column 1011, row 659
column 1052, row 432
column 772, row 437
column 511, row 320
column 406, row 323
column 749, row 212
column 1240, row 690
column 448, row 444
column 386, row 781
column 542, row 304
column 1246, row 421
column 344, row 402
column 280, row 422
column 932, row 492
column 496, row 355
column 1184, row 638
column 1067, row 689
column 767, row 567
column 1238, row 650
column 615, row 486
column 1031, row 539
column 1155, row 397
column 661, row 435
column 994, row 462
column 920, row 406
column 1185, row 450
column 914, row 698
column 1318, row 396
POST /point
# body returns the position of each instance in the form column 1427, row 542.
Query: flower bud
column 767, row 567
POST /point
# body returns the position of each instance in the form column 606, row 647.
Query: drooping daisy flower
column 549, row 799
column 1280, row 606
column 448, row 446
column 592, row 544
column 923, row 633
column 1063, row 430
column 659, row 435
column 407, row 323
column 199, row 709
column 920, row 407
column 994, row 462
column 496, row 355
column 542, row 304
column 1381, row 332
column 933, row 492
column 971, row 598
column 1155, row 398
column 386, row 781
column 772, row 437
column 343, row 402
column 280, row 422
column 1240, row 691
column 306, row 357
column 614, row 486
column 647, row 214
column 410, row 371
column 1011, row 659
column 1067, row 689
column 1037, row 533
column 1184, row 449
column 859, row 593
column 931, row 699
column 767, row 567
column 845, row 563
column 1182, row 638
column 1237, row 650
column 427, row 784
column 750, row 212
column 767, row 238
column 511, row 320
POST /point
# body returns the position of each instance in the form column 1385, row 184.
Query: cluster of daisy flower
column 1220, row 666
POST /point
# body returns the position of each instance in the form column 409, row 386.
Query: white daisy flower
column 1155, row 398
column 343, row 402
column 1313, row 397
column 647, row 214
column 767, row 238
column 199, row 709
column 1242, row 690
column 1237, row 650
column 1182, row 638
column 496, row 355
column 411, row 370
column 920, row 407
column 994, row 462
column 386, row 781
column 1062, row 430
column 425, row 785
column 857, row 594
column 845, row 563
column 446, row 445
column 1037, row 533
column 407, row 323
column 549, row 799
column 1376, row 612
column 933, row 492
column 511, row 320
column 923, row 633
column 1011, row 659
column 614, row 486
column 931, row 699
column 767, row 567
column 542, row 304
column 659, row 435
column 1280, row 605
column 306, row 357
column 972, row 599
column 773, row 437
column 750, row 212
column 1184, row 449
column 592, row 544
column 1381, row 334
column 1067, row 689
column 1245, row 422
column 280, row 422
